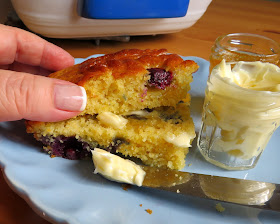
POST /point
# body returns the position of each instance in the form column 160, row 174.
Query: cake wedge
column 138, row 106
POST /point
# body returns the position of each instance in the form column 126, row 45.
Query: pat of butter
column 140, row 113
column 112, row 120
column 116, row 168
column 182, row 140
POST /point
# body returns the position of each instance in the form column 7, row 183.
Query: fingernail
column 70, row 97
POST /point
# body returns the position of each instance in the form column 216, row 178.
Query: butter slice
column 182, row 140
column 112, row 120
column 116, row 168
column 140, row 113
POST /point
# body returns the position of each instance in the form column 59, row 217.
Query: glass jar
column 240, row 113
column 244, row 47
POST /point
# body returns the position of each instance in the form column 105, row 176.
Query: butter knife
column 238, row 191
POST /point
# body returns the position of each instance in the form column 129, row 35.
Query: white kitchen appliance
column 61, row 19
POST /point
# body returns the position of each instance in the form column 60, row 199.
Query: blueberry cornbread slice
column 159, row 137
column 132, row 108
column 131, row 80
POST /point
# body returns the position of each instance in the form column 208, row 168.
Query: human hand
column 26, row 95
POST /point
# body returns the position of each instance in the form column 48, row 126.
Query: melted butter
column 116, row 168
column 244, row 103
column 182, row 140
column 164, row 177
column 112, row 120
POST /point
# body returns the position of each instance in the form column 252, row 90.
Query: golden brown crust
column 30, row 125
column 129, row 62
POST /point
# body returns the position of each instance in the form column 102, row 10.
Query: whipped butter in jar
column 241, row 111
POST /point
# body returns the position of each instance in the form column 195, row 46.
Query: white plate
column 68, row 191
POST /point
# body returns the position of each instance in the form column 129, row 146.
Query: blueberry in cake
column 138, row 106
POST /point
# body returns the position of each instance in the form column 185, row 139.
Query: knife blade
column 243, row 192
column 250, row 193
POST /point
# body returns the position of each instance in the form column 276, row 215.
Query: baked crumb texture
column 121, row 83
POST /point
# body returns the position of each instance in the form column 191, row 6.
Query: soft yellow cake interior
column 147, row 137
column 131, row 93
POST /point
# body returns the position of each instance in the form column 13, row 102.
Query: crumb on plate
column 219, row 207
column 149, row 211
column 126, row 186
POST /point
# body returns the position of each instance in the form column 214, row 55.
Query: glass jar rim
column 220, row 38
column 235, row 86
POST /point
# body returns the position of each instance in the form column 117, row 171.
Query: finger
column 19, row 67
column 6, row 67
column 38, row 98
column 27, row 48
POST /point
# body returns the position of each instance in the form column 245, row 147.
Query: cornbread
column 137, row 106
column 121, row 82
column 145, row 137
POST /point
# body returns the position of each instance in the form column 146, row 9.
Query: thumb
column 37, row 98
